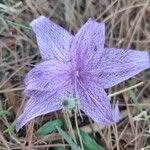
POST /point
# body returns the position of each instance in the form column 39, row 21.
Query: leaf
column 68, row 139
column 59, row 148
column 3, row 113
column 133, row 99
column 49, row 127
column 89, row 143
column 10, row 128
column 5, row 54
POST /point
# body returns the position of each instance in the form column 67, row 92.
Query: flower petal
column 47, row 76
column 95, row 103
column 53, row 41
column 118, row 65
column 42, row 103
column 37, row 105
column 87, row 43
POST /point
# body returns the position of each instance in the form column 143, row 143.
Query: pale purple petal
column 42, row 103
column 47, row 76
column 37, row 105
column 117, row 65
column 95, row 103
column 87, row 43
column 78, row 65
column 53, row 41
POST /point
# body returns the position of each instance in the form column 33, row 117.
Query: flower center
column 77, row 73
column 80, row 75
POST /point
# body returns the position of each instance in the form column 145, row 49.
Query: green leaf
column 68, row 139
column 5, row 54
column 10, row 128
column 89, row 143
column 59, row 148
column 3, row 113
column 133, row 99
column 49, row 127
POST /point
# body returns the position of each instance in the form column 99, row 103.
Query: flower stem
column 69, row 125
column 78, row 131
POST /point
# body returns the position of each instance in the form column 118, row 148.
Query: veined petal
column 37, row 105
column 42, row 103
column 47, row 76
column 95, row 103
column 87, row 43
column 118, row 65
column 53, row 41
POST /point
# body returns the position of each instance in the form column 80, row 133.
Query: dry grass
column 127, row 26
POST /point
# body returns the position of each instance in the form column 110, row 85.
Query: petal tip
column 37, row 20
column 91, row 19
column 94, row 21
column 18, row 125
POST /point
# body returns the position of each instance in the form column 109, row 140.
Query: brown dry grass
column 127, row 26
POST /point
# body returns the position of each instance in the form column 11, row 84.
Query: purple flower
column 77, row 65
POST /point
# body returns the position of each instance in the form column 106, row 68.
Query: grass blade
column 49, row 127
column 68, row 139
column 3, row 113
column 89, row 143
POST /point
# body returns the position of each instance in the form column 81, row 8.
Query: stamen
column 77, row 73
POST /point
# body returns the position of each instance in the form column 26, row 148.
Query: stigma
column 77, row 73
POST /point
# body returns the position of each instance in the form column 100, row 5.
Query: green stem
column 78, row 131
column 69, row 125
